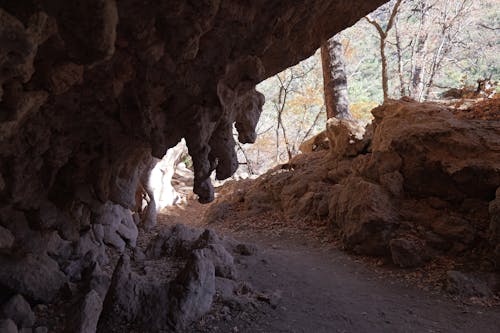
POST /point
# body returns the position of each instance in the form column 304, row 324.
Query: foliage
column 466, row 31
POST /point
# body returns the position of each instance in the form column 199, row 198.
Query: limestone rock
column 222, row 260
column 193, row 290
column 6, row 239
column 8, row 326
column 17, row 309
column 88, row 313
column 467, row 285
column 35, row 276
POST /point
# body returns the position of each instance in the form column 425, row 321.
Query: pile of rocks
column 419, row 183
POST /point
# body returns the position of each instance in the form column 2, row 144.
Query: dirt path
column 321, row 289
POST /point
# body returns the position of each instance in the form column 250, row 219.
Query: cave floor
column 312, row 286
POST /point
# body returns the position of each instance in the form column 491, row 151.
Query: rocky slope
column 89, row 90
column 421, row 182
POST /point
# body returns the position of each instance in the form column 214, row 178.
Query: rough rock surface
column 421, row 182
column 91, row 90
column 17, row 309
column 8, row 326
column 173, row 284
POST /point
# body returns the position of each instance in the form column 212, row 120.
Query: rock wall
column 90, row 90
column 421, row 182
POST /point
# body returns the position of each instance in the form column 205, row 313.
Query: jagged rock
column 365, row 214
column 17, row 309
column 408, row 252
column 35, row 276
column 88, row 313
column 177, row 241
column 193, row 289
column 8, row 326
column 467, row 285
column 6, row 239
column 223, row 261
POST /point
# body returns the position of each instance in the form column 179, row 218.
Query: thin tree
column 335, row 79
column 383, row 33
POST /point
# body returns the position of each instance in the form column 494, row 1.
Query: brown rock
column 408, row 252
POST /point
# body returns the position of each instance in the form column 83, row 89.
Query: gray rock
column 128, row 229
column 35, row 276
column 225, row 287
column 58, row 247
column 48, row 215
column 193, row 290
column 467, row 285
column 8, row 326
column 138, row 298
column 222, row 260
column 6, row 239
column 100, row 281
column 17, row 309
column 177, row 241
column 41, row 329
column 113, row 239
column 89, row 313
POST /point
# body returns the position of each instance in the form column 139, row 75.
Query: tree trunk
column 335, row 79
column 402, row 89
column 385, row 79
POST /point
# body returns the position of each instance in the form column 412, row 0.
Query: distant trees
column 428, row 34
column 383, row 33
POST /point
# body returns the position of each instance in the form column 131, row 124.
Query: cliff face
column 89, row 90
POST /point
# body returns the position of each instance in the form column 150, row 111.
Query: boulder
column 37, row 277
column 17, row 309
column 193, row 290
column 87, row 315
column 365, row 215
column 8, row 326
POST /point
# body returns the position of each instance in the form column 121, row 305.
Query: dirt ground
column 309, row 285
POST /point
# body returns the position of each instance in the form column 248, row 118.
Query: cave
column 92, row 91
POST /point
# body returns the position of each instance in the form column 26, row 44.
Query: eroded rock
column 35, row 276
column 17, row 309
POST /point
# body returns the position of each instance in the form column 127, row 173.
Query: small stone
column 467, row 285
column 19, row 310
column 246, row 249
column 8, row 326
